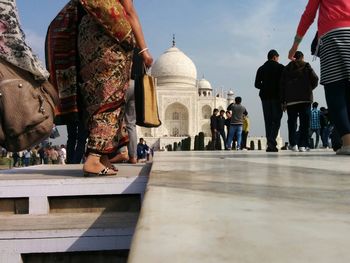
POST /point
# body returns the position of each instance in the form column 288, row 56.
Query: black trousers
column 272, row 116
column 338, row 101
column 301, row 110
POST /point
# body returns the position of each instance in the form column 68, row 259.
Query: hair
column 238, row 100
column 222, row 111
column 215, row 110
column 298, row 55
column 314, row 105
column 272, row 53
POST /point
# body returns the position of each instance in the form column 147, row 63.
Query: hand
column 147, row 58
column 292, row 51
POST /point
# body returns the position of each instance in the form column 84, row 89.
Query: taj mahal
column 185, row 103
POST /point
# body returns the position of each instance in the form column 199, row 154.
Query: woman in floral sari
column 105, row 66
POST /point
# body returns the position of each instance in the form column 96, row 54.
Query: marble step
column 24, row 234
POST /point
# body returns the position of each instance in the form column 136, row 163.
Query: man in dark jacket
column 267, row 81
column 297, row 82
column 221, row 128
column 213, row 128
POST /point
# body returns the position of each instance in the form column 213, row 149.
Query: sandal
column 103, row 172
column 105, row 161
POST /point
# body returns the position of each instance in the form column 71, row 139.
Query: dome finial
column 174, row 42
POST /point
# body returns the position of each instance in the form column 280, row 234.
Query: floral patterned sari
column 104, row 70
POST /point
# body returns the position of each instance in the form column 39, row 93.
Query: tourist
column 325, row 127
column 62, row 154
column 315, row 125
column 245, row 131
column 142, row 150
column 334, row 50
column 236, row 123
column 267, row 81
column 221, row 128
column 227, row 124
column 296, row 96
column 76, row 137
column 53, row 155
column 129, row 153
column 105, row 65
column 27, row 154
column 16, row 159
column 213, row 128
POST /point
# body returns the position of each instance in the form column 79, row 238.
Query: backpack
column 26, row 108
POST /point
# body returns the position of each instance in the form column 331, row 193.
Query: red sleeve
column 308, row 17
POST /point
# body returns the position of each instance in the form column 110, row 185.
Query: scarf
column 13, row 47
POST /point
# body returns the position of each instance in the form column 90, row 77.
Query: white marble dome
column 174, row 66
column 203, row 84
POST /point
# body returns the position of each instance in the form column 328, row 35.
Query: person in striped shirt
column 334, row 50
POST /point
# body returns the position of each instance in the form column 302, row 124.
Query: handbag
column 26, row 108
column 112, row 16
column 314, row 46
column 146, row 104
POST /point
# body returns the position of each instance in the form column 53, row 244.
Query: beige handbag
column 26, row 108
column 146, row 103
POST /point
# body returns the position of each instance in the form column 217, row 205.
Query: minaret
column 230, row 97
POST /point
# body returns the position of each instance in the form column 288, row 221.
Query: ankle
column 346, row 140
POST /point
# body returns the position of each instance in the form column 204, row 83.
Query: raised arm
column 306, row 20
column 137, row 29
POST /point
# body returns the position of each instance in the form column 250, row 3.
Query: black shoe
column 269, row 150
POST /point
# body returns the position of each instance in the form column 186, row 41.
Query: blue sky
column 227, row 39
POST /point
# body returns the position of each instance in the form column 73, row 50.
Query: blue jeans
column 235, row 129
column 338, row 101
column 325, row 132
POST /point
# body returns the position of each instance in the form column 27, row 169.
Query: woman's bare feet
column 120, row 157
column 93, row 166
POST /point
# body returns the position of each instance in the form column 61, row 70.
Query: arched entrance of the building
column 177, row 120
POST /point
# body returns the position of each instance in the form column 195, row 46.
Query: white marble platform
column 245, row 207
column 40, row 182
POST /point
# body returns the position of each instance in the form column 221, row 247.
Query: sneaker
column 294, row 148
column 344, row 150
column 302, row 149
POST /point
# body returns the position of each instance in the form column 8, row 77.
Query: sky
column 227, row 39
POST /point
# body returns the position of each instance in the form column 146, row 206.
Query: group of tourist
column 40, row 154
column 292, row 85
column 236, row 123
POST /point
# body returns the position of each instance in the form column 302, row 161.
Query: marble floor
column 245, row 207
